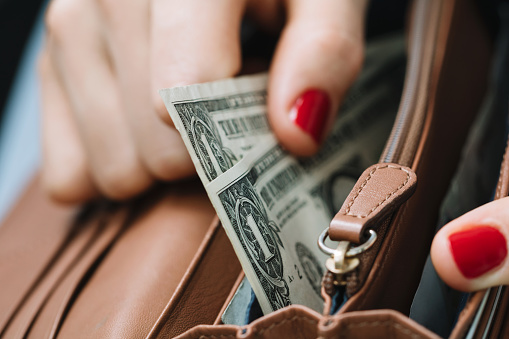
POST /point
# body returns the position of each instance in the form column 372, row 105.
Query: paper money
column 221, row 121
column 273, row 205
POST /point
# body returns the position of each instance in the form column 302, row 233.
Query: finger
column 160, row 147
column 470, row 252
column 318, row 57
column 199, row 43
column 65, row 173
column 82, row 64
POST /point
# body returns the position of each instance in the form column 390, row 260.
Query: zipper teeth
column 399, row 134
column 399, row 142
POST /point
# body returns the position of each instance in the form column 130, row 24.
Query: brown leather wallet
column 161, row 265
column 113, row 270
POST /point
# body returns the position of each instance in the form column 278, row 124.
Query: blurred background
column 21, row 37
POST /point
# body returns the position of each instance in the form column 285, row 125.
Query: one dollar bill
column 220, row 121
column 273, row 205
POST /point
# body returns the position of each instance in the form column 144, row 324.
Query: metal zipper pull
column 342, row 260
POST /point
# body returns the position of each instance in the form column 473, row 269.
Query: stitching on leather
column 279, row 323
column 350, row 204
column 271, row 327
column 387, row 323
column 217, row 336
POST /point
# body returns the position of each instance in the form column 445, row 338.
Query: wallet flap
column 301, row 322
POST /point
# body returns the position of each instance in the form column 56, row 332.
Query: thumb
column 470, row 252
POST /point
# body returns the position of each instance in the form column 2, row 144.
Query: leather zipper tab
column 379, row 191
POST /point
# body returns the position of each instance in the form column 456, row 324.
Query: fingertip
column 315, row 63
column 470, row 253
column 68, row 186
column 291, row 137
column 73, row 196
column 301, row 146
column 444, row 264
column 121, row 179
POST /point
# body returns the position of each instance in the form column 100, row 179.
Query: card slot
column 44, row 241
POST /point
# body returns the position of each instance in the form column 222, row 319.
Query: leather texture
column 205, row 286
column 379, row 191
column 229, row 298
column 131, row 270
column 24, row 259
column 141, row 271
column 291, row 322
column 52, row 314
column 300, row 322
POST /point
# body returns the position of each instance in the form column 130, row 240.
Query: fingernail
column 310, row 113
column 478, row 250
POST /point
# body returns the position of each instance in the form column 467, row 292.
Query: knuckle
column 109, row 8
column 60, row 193
column 343, row 44
column 67, row 186
column 191, row 71
column 59, row 17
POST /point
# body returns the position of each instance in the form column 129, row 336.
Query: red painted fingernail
column 310, row 113
column 478, row 250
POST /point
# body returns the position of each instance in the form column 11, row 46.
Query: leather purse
column 161, row 265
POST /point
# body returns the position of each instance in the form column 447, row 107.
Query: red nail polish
column 478, row 250
column 310, row 113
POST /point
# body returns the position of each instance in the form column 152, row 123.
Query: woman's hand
column 105, row 60
column 470, row 253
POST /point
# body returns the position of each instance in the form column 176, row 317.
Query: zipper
column 403, row 142
column 399, row 154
